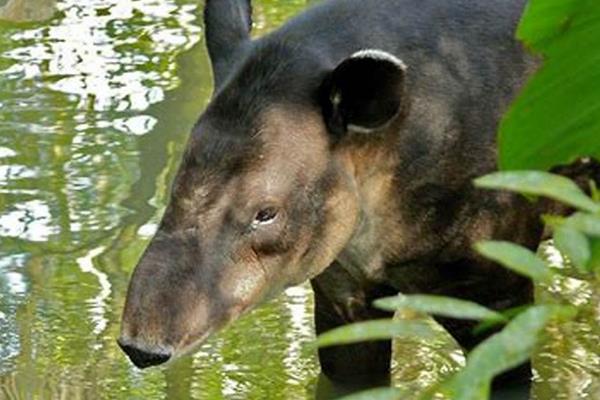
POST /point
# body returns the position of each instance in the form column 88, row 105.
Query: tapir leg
column 495, row 287
column 498, row 289
column 340, row 300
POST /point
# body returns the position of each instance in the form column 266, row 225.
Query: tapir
column 339, row 149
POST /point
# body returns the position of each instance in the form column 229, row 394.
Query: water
column 96, row 100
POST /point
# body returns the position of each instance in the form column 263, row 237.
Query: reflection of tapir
column 341, row 149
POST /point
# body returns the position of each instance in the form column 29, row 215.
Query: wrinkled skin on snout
column 237, row 231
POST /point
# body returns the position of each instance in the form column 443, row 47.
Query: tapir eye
column 265, row 216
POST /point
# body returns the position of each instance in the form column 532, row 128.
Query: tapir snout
column 180, row 293
column 230, row 240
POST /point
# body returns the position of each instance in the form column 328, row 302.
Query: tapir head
column 266, row 195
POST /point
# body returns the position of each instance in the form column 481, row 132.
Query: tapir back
column 464, row 68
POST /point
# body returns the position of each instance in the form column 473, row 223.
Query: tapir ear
column 227, row 24
column 363, row 93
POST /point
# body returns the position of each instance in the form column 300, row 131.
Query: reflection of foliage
column 55, row 81
column 268, row 14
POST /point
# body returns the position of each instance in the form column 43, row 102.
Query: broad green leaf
column 538, row 183
column 595, row 192
column 516, row 258
column 386, row 393
column 575, row 245
column 439, row 305
column 372, row 330
column 594, row 264
column 553, row 221
column 555, row 118
column 508, row 314
column 586, row 223
column 543, row 20
column 502, row 352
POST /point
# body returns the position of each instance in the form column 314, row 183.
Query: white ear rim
column 362, row 130
column 377, row 54
column 374, row 54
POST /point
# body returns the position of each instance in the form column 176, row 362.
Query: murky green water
column 96, row 100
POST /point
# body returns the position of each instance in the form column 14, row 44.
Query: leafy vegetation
column 501, row 352
column 539, row 183
column 575, row 236
column 516, row 258
column 439, row 305
column 553, row 122
column 555, row 119
column 371, row 330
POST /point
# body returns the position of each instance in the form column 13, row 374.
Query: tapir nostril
column 143, row 358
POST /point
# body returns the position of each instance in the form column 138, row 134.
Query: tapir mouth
column 147, row 351
column 143, row 357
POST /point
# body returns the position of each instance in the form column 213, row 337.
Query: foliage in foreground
column 576, row 236
column 553, row 122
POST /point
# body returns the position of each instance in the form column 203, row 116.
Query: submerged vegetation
column 553, row 122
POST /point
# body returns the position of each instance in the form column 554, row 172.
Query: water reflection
column 95, row 106
column 30, row 220
column 568, row 365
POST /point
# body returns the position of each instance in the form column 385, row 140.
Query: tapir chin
column 339, row 149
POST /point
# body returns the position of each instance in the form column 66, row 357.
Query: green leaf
column 386, row 393
column 372, row 330
column 586, row 223
column 594, row 264
column 502, row 351
column 508, row 314
column 439, row 305
column 538, row 183
column 595, row 193
column 555, row 118
column 516, row 258
column 573, row 244
column 543, row 20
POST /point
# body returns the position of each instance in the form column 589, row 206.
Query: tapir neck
column 373, row 166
